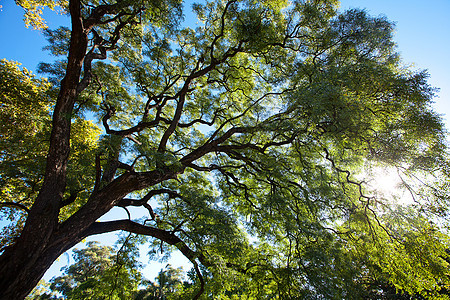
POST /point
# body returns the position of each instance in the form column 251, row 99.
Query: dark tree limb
column 15, row 205
column 126, row 132
column 163, row 235
column 212, row 145
column 133, row 227
column 99, row 43
column 143, row 202
column 70, row 200
column 200, row 278
column 98, row 173
column 173, row 125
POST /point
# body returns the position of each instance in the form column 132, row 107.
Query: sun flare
column 386, row 183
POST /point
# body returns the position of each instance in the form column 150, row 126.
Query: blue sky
column 423, row 37
column 422, row 34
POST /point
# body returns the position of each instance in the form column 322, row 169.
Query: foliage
column 245, row 141
column 24, row 119
column 101, row 272
column 25, row 128
column 34, row 10
column 169, row 285
column 98, row 272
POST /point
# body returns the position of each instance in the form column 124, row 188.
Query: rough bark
column 22, row 267
column 43, row 239
column 24, row 263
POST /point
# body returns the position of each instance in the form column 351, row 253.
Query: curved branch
column 222, row 28
column 202, row 282
column 201, row 121
column 70, row 200
column 347, row 175
column 212, row 145
column 99, row 12
column 143, row 202
column 176, row 118
column 165, row 236
column 139, row 127
column 135, row 202
column 16, row 205
column 133, row 227
column 99, row 43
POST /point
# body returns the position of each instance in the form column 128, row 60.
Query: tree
column 25, row 132
column 21, row 93
column 168, row 285
column 260, row 121
column 99, row 272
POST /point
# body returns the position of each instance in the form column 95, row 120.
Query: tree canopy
column 98, row 273
column 246, row 141
column 103, row 272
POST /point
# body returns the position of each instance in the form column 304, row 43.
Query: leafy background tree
column 169, row 284
column 25, row 115
column 98, row 272
column 262, row 122
column 102, row 272
column 22, row 140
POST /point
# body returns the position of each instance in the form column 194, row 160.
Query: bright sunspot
column 386, row 183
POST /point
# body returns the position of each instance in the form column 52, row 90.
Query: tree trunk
column 24, row 263
column 21, row 270
column 43, row 239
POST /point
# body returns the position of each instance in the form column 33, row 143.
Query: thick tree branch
column 70, row 200
column 16, row 205
column 176, row 118
column 212, row 145
column 138, row 128
column 133, row 227
column 139, row 202
column 143, row 202
column 165, row 236
column 110, row 195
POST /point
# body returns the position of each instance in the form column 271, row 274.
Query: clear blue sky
column 423, row 37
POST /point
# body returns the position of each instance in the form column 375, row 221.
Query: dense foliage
column 98, row 273
column 247, row 142
column 102, row 272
